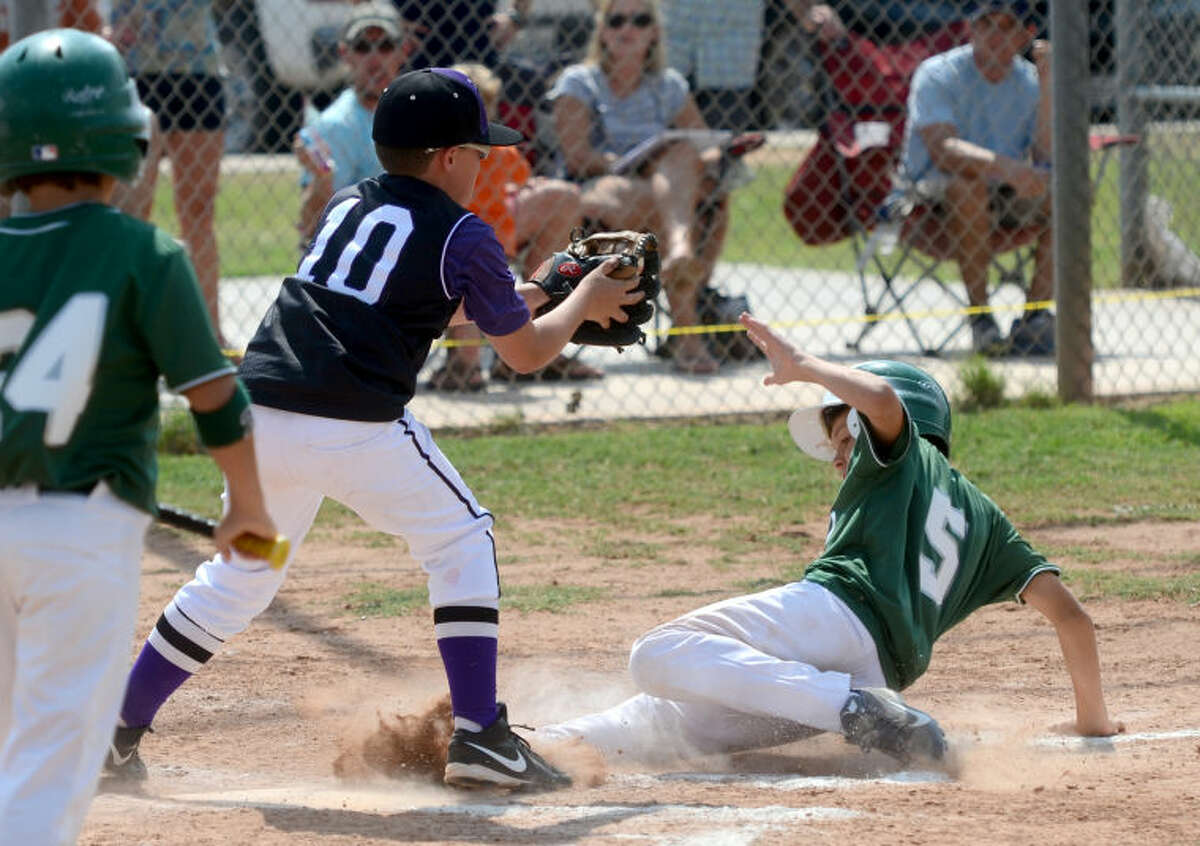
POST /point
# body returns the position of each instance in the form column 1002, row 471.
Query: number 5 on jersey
column 54, row 374
column 945, row 527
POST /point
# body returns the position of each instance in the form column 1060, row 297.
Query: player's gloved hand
column 635, row 254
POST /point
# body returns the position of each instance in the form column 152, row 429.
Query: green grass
column 256, row 222
column 1089, row 584
column 739, row 483
column 256, row 215
column 373, row 599
column 554, row 598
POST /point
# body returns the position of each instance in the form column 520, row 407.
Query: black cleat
column 123, row 761
column 877, row 718
column 1032, row 334
column 985, row 336
column 496, row 757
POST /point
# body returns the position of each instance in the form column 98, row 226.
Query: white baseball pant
column 391, row 474
column 69, row 570
column 744, row 673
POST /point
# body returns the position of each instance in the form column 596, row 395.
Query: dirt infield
column 245, row 752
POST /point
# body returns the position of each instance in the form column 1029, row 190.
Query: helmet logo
column 83, row 96
column 44, row 153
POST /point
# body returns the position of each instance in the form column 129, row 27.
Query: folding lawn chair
column 888, row 250
column 845, row 178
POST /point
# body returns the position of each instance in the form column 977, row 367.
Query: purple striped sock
column 151, row 682
column 470, row 664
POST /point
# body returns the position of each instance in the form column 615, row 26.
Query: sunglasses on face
column 481, row 150
column 363, row 46
column 641, row 20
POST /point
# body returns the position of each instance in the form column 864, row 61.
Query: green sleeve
column 178, row 331
column 1013, row 563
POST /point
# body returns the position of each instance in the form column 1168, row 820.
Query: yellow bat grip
column 272, row 550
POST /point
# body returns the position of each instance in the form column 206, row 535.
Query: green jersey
column 914, row 547
column 94, row 305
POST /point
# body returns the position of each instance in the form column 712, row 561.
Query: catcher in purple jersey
column 913, row 548
column 395, row 259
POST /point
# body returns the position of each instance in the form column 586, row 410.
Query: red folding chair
column 842, row 182
column 840, row 189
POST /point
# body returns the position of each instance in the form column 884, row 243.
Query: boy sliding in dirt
column 913, row 548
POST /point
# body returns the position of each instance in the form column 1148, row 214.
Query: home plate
column 775, row 781
column 516, row 813
column 1103, row 744
column 361, row 799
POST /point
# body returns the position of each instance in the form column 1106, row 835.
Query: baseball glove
column 562, row 272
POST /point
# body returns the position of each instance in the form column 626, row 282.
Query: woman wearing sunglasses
column 621, row 95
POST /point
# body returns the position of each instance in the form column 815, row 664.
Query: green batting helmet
column 922, row 396
column 67, row 104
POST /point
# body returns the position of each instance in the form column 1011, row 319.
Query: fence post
column 25, row 17
column 1072, row 200
column 1131, row 119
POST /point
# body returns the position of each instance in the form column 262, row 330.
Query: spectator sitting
column 336, row 149
column 533, row 217
column 172, row 52
column 977, row 149
column 881, row 21
column 620, row 96
column 448, row 32
column 715, row 44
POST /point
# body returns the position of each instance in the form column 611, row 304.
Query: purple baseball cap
column 436, row 107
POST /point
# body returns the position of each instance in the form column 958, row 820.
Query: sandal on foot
column 694, row 362
column 456, row 376
column 559, row 370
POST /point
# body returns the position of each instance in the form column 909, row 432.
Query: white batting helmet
column 808, row 429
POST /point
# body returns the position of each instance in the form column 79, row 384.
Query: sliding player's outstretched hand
column 785, row 359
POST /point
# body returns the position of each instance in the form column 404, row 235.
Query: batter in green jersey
column 94, row 307
column 913, row 548
column 114, row 303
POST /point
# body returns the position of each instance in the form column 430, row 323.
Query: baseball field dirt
column 250, row 750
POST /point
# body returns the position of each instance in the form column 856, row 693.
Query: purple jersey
column 392, row 260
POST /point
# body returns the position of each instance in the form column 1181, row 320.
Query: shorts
column 184, row 101
column 1008, row 210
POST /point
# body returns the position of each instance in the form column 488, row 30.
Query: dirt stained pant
column 744, row 673
column 391, row 474
column 69, row 570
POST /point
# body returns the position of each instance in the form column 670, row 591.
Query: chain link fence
column 854, row 231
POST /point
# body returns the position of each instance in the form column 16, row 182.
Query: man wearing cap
column 331, row 370
column 977, row 149
column 335, row 149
